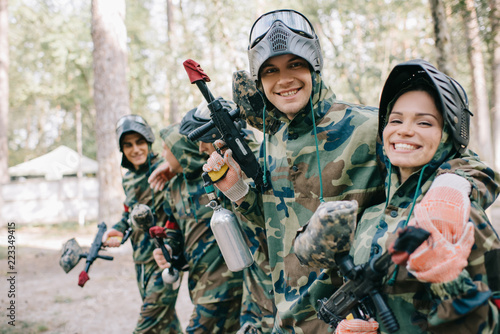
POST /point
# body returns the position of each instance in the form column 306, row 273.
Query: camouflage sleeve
column 251, row 208
column 172, row 229
column 468, row 300
column 463, row 303
column 485, row 181
column 123, row 224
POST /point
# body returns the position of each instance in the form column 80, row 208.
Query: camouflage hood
column 251, row 101
column 184, row 150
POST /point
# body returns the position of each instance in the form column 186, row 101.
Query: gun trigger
column 218, row 175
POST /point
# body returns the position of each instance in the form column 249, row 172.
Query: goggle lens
column 131, row 118
column 292, row 19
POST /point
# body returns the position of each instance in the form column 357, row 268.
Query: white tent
column 54, row 165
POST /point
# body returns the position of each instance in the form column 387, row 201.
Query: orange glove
column 232, row 185
column 357, row 326
column 444, row 212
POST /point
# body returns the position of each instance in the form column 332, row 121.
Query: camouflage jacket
column 349, row 171
column 137, row 191
column 462, row 305
column 257, row 306
column 210, row 280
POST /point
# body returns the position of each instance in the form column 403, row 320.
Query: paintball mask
column 280, row 32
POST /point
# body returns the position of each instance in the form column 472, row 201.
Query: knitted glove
column 357, row 326
column 444, row 212
column 232, row 184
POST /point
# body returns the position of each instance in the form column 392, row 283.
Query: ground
column 47, row 300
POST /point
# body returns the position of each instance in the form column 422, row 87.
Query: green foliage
column 50, row 74
column 51, row 57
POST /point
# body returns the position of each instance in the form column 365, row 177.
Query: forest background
column 70, row 69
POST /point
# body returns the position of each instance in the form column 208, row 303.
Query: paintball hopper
column 142, row 217
column 329, row 232
column 70, row 257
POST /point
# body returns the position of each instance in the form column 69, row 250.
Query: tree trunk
column 4, row 99
column 171, row 115
column 442, row 37
column 495, row 66
column 111, row 99
column 479, row 90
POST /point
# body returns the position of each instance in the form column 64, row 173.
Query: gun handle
column 384, row 313
column 128, row 232
column 169, row 275
column 105, row 257
column 218, row 175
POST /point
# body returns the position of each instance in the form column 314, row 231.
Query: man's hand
column 112, row 238
column 160, row 259
column 357, row 326
column 160, row 176
column 232, row 185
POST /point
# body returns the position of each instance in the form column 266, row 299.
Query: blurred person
column 257, row 314
column 157, row 313
column 215, row 291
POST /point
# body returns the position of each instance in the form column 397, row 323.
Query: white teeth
column 292, row 92
column 406, row 147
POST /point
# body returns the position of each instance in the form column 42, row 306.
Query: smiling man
column 323, row 150
column 157, row 313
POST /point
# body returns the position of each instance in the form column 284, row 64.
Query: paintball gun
column 223, row 120
column 142, row 217
column 72, row 253
column 360, row 295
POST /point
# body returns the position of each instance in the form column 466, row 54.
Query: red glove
column 357, row 326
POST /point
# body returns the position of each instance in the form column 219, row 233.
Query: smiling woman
column 446, row 285
column 413, row 132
